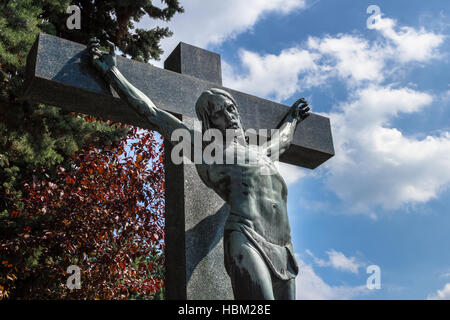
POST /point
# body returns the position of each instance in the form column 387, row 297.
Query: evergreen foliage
column 35, row 140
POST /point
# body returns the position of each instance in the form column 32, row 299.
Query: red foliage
column 104, row 214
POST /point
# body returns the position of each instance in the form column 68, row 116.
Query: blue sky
column 384, row 198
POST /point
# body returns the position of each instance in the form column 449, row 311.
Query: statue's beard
column 234, row 126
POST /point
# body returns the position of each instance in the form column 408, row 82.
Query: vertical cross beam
column 195, row 215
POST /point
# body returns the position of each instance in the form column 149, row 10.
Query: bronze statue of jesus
column 258, row 253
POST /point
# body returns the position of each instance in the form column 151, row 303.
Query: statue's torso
column 257, row 196
column 255, row 191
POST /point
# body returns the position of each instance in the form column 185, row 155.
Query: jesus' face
column 223, row 114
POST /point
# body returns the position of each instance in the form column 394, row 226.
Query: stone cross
column 59, row 73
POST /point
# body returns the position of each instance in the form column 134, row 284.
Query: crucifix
column 60, row 73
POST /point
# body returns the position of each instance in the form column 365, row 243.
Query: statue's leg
column 250, row 276
column 284, row 289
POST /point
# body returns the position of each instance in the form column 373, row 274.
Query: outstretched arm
column 282, row 139
column 159, row 119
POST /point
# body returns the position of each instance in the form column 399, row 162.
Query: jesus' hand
column 300, row 109
column 102, row 61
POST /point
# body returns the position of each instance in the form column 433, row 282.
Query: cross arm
column 162, row 121
column 59, row 73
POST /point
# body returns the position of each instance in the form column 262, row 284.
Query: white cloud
column 445, row 97
column 271, row 75
column 338, row 261
column 411, row 44
column 443, row 294
column 356, row 59
column 318, row 261
column 350, row 57
column 375, row 164
column 211, row 22
column 378, row 165
column 309, row 286
column 290, row 173
column 279, row 76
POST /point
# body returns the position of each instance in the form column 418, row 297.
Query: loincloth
column 280, row 259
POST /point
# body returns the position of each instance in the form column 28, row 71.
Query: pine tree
column 37, row 139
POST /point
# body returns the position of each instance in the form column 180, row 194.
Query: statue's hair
column 205, row 105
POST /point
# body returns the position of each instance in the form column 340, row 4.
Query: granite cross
column 59, row 73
